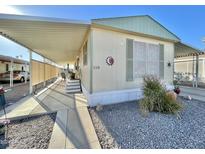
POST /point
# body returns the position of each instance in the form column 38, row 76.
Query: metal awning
column 56, row 39
column 182, row 49
column 15, row 60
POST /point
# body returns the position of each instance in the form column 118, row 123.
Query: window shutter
column 161, row 59
column 129, row 60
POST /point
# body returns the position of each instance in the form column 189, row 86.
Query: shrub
column 156, row 98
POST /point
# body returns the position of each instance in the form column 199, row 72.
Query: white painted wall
column 109, row 82
column 113, row 78
column 85, row 69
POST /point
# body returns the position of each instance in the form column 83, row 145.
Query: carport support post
column 44, row 82
column 11, row 73
column 30, row 70
column 197, row 69
column 193, row 71
column 25, row 73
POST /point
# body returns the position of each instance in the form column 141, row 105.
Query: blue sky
column 187, row 22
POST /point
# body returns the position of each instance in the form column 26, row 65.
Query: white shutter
column 129, row 60
column 161, row 58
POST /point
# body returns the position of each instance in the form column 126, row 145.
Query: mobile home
column 112, row 54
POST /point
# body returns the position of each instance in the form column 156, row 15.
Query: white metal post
column 30, row 71
column 193, row 72
column 197, row 69
column 203, row 71
column 26, row 77
column 11, row 73
column 44, row 82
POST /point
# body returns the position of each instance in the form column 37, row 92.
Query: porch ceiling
column 182, row 50
column 56, row 39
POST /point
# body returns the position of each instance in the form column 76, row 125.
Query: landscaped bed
column 123, row 126
column 32, row 132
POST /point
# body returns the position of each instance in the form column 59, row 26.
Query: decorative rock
column 189, row 97
column 32, row 132
column 129, row 129
column 172, row 94
column 99, row 107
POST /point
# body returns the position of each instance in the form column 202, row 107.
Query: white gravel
column 33, row 132
column 122, row 126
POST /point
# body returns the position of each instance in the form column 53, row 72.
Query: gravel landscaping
column 32, row 132
column 123, row 126
column 19, row 91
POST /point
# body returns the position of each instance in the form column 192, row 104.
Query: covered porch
column 57, row 41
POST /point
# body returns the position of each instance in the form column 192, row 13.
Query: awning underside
column 182, row 49
column 59, row 41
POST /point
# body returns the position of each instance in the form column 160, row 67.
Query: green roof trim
column 143, row 24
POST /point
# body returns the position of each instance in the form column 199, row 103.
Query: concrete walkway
column 73, row 127
column 196, row 93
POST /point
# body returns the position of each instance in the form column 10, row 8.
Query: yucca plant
column 156, row 99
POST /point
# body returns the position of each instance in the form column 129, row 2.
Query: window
column 85, row 54
column 146, row 59
column 7, row 67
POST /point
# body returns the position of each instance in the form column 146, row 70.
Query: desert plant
column 156, row 98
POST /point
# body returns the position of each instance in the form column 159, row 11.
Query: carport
column 184, row 50
column 59, row 42
column 56, row 40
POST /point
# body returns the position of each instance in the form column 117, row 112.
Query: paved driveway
column 16, row 93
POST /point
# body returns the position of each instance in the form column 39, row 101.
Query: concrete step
column 73, row 91
column 73, row 87
column 73, row 84
column 73, row 81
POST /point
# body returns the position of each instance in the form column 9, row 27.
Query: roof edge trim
column 45, row 19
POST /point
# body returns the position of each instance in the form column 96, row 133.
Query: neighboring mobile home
column 185, row 71
column 18, row 64
column 112, row 54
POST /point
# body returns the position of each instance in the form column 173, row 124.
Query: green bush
column 156, row 99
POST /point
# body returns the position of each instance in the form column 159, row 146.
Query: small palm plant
column 156, row 98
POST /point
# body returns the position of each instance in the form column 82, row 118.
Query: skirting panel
column 112, row 97
column 118, row 96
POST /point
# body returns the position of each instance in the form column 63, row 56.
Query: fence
column 42, row 72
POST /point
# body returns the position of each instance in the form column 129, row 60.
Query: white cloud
column 9, row 10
